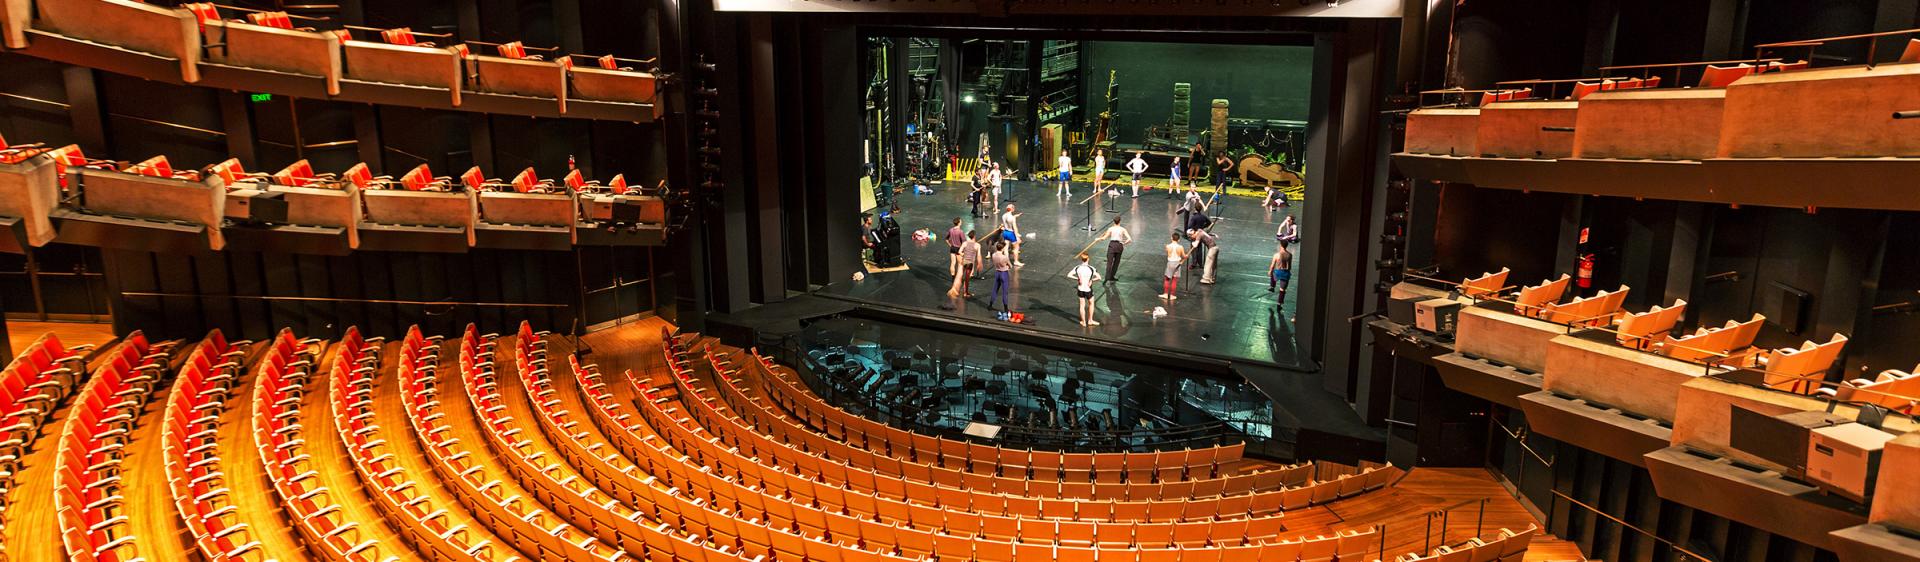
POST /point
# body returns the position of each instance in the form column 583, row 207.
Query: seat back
column 512, row 50
column 271, row 19
column 1582, row 89
column 417, row 179
column 297, row 174
column 1716, row 76
column 360, row 175
column 157, row 167
column 574, row 180
column 618, row 183
column 1487, row 284
column 398, row 36
column 526, row 181
column 473, row 178
column 1533, row 300
column 230, row 172
column 607, row 62
column 1912, row 53
column 1642, row 330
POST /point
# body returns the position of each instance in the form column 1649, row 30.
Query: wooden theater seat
column 1644, row 330
column 1716, row 76
column 159, row 167
column 1894, row 389
column 1597, row 310
column 1801, row 370
column 1710, row 344
column 421, row 178
column 1486, row 285
column 1533, row 300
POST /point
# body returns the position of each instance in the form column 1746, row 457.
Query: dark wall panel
column 1481, row 230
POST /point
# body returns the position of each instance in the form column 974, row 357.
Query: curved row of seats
column 419, row 515
column 1507, row 546
column 818, row 508
column 280, row 386
column 586, row 480
column 88, row 493
column 33, row 385
column 206, row 42
column 502, row 506
column 190, row 445
column 962, row 534
column 809, row 408
column 979, row 490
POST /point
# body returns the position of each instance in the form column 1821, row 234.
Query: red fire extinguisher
column 1585, row 275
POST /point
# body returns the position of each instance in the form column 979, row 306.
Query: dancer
column 1099, row 169
column 1176, row 254
column 994, row 178
column 1173, row 172
column 975, row 196
column 1279, row 272
column 1117, row 239
column 1066, row 175
column 969, row 264
column 1002, row 277
column 1010, row 230
column 1221, row 166
column 1288, row 233
column 1138, row 165
column 1083, row 276
column 1206, row 247
column 954, row 239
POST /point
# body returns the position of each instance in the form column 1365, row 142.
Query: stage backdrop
column 1258, row 81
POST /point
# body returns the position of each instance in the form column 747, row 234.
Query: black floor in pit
column 1235, row 317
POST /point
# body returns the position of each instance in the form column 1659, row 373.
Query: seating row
column 265, row 51
column 1507, row 546
column 33, row 385
column 190, row 447
column 503, row 507
column 1894, row 389
column 1111, row 483
column 820, row 509
column 785, row 389
column 979, row 491
column 411, row 507
column 280, row 387
column 963, row 543
column 65, row 183
column 88, row 494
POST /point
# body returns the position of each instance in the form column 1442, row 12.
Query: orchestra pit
column 959, row 281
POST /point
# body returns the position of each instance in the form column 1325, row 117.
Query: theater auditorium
column 960, row 280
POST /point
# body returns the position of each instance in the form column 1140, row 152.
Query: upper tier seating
column 1487, row 285
column 1647, row 329
column 1597, row 310
column 1713, row 344
column 1801, row 370
column 1894, row 389
column 1533, row 300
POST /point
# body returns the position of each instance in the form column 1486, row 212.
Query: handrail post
column 1480, row 519
column 1429, row 535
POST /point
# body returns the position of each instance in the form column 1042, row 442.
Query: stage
column 1235, row 318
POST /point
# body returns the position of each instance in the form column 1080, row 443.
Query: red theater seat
column 401, row 36
column 271, row 19
column 1721, row 76
column 159, row 167
column 1912, row 53
column 297, row 174
column 421, row 178
column 1582, row 89
column 361, row 176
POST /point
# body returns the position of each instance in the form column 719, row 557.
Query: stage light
column 966, row 98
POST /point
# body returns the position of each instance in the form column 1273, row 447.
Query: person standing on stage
column 1002, row 277
column 954, row 239
column 1221, row 166
column 1174, row 172
column 1138, row 165
column 969, row 263
column 1196, row 161
column 1206, row 247
column 1117, row 239
column 1279, row 272
column 1066, row 175
column 994, row 178
column 1010, row 231
column 1099, row 169
column 1176, row 254
column 1288, row 233
column 1083, row 277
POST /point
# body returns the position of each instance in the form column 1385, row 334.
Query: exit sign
column 261, row 98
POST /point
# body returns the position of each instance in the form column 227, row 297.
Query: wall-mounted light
column 966, row 98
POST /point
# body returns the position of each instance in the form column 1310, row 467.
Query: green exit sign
column 261, row 98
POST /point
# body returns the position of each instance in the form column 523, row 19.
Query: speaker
column 256, row 206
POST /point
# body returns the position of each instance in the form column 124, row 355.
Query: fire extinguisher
column 1585, row 275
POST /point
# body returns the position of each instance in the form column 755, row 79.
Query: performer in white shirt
column 1117, row 239
column 1083, row 276
column 1099, row 169
column 1066, row 175
column 1138, row 165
